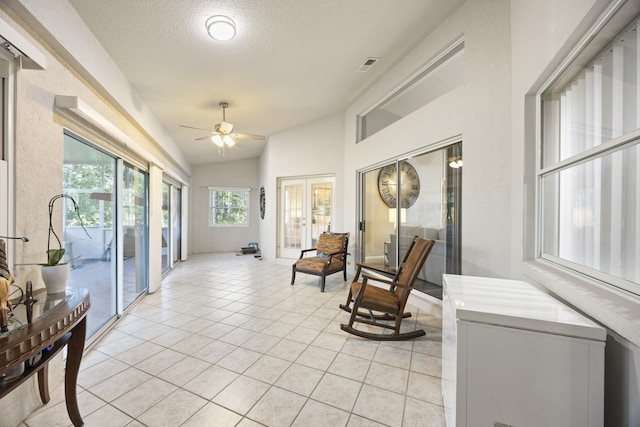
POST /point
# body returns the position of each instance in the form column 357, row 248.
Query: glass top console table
column 56, row 320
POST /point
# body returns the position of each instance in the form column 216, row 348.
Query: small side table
column 58, row 319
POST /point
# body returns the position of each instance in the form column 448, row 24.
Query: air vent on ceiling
column 367, row 64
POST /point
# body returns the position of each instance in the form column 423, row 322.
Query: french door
column 306, row 211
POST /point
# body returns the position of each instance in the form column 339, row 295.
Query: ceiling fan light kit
column 228, row 140
column 222, row 136
column 217, row 140
column 221, row 27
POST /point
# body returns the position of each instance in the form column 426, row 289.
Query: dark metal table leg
column 74, row 357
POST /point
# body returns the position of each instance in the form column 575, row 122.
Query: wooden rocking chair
column 330, row 256
column 389, row 303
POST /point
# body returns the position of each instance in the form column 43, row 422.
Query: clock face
column 388, row 185
column 262, row 203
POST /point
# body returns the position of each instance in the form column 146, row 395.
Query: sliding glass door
column 166, row 229
column 108, row 247
column 171, row 224
column 135, row 228
column 90, row 178
column 176, row 223
column 416, row 196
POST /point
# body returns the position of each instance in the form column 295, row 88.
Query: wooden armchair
column 330, row 256
column 388, row 303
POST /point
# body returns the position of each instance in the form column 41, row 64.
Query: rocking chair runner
column 330, row 257
column 389, row 302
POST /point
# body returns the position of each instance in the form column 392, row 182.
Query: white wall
column 315, row 148
column 235, row 174
column 479, row 111
column 542, row 34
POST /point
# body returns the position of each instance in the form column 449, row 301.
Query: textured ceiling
column 291, row 62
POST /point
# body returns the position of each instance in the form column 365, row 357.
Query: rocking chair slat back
column 412, row 264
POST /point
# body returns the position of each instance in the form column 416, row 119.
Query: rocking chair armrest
column 366, row 277
column 376, row 269
column 401, row 285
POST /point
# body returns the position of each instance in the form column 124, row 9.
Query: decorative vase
column 55, row 277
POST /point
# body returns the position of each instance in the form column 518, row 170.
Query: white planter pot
column 55, row 277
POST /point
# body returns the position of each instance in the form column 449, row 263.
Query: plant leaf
column 54, row 256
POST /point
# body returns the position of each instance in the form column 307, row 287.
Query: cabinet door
column 526, row 378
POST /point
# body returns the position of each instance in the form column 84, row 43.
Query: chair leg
column 352, row 318
column 323, row 282
column 347, row 307
column 344, row 273
column 293, row 274
column 398, row 323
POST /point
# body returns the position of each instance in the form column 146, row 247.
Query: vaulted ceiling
column 291, row 61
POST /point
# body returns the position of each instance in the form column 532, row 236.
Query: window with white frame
column 228, row 206
column 588, row 180
column 439, row 76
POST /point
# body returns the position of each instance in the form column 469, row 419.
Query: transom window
column 589, row 187
column 228, row 206
column 441, row 75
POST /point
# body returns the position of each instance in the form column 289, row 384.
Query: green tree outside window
column 229, row 207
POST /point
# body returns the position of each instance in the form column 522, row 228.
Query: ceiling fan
column 221, row 135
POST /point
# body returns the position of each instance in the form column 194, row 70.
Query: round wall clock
column 388, row 184
column 262, row 203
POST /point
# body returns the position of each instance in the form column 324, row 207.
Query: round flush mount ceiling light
column 221, row 27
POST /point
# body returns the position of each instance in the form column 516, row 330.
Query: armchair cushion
column 315, row 265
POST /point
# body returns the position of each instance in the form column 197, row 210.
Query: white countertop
column 516, row 304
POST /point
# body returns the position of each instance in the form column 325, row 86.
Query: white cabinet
column 512, row 355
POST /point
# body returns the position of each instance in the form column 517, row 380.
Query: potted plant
column 55, row 272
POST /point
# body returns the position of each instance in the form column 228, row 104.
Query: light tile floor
column 227, row 341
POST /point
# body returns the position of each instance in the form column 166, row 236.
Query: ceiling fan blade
column 248, row 136
column 191, row 127
column 203, row 138
column 237, row 141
